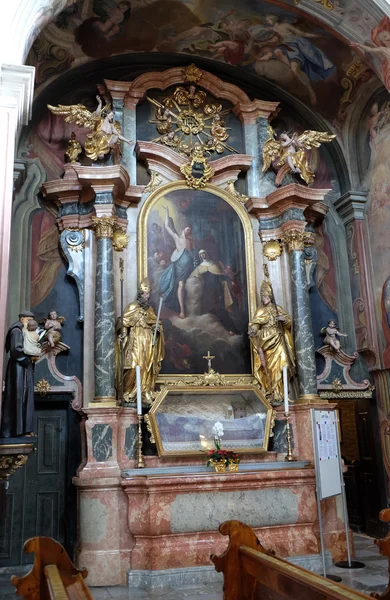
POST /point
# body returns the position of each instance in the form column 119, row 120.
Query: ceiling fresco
column 320, row 51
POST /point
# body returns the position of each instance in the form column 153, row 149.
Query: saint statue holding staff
column 139, row 326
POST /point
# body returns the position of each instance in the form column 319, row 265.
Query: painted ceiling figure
column 18, row 397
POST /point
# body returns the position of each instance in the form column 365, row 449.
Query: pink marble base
column 170, row 521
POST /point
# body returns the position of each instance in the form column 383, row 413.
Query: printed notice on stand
column 326, row 435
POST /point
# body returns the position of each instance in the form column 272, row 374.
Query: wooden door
column 39, row 498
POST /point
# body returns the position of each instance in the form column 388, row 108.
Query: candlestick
column 139, row 394
column 285, row 389
column 141, row 461
column 158, row 318
column 289, row 456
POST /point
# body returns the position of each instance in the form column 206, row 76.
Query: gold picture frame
column 247, row 253
column 181, row 418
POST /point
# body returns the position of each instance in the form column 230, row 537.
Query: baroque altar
column 175, row 227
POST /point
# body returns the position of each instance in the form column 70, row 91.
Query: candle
column 158, row 318
column 139, row 395
column 285, row 389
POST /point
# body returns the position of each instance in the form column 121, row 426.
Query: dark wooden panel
column 6, row 527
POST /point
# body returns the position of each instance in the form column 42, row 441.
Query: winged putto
column 288, row 152
column 105, row 133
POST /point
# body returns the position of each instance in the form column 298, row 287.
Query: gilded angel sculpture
column 289, row 152
column 105, row 133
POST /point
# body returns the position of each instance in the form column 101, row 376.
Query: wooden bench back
column 53, row 575
column 251, row 572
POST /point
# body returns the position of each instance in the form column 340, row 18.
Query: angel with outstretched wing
column 106, row 132
column 289, row 152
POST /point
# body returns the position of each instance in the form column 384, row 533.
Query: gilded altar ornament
column 296, row 239
column 288, row 152
column 230, row 188
column 185, row 118
column 197, row 171
column 43, row 387
column 74, row 149
column 104, row 226
column 105, row 136
column 192, row 74
column 135, row 331
column 272, row 249
column 10, row 463
column 272, row 344
column 154, row 183
column 120, row 239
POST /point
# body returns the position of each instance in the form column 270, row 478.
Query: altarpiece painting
column 197, row 251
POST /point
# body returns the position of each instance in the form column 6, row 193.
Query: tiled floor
column 372, row 578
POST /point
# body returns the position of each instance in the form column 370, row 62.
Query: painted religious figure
column 197, row 263
column 270, row 335
column 139, row 324
column 18, row 398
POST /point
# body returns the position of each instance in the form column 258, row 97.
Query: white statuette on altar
column 139, row 395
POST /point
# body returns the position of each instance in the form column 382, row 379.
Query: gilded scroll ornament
column 104, row 226
column 233, row 192
column 295, row 239
column 197, row 171
column 10, row 463
column 288, row 152
column 272, row 249
column 154, row 183
column 105, row 136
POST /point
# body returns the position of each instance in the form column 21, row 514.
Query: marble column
column 104, row 363
column 295, row 240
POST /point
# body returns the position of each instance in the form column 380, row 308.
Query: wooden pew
column 253, row 573
column 53, row 575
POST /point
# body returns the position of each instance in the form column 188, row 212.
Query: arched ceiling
column 320, row 51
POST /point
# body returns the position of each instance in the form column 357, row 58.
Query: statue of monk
column 139, row 323
column 271, row 340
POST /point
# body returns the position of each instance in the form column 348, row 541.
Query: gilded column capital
column 295, row 239
column 104, row 226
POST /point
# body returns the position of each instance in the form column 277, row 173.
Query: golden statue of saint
column 139, row 323
column 271, row 340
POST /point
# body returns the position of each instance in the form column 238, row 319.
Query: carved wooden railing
column 53, row 575
column 253, row 573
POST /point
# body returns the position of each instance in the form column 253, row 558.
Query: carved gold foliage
column 295, row 239
column 335, row 394
column 104, row 226
column 197, row 171
column 210, row 379
column 43, row 387
column 10, row 463
column 120, row 240
column 149, row 428
column 192, row 74
column 230, row 188
column 272, row 249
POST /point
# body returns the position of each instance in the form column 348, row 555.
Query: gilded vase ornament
column 105, row 136
column 74, row 149
column 272, row 344
column 287, row 154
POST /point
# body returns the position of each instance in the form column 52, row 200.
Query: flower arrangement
column 217, row 456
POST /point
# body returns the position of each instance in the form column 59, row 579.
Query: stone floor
column 372, row 578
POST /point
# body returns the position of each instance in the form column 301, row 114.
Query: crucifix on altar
column 209, row 358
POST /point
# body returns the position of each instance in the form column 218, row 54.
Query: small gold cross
column 209, row 358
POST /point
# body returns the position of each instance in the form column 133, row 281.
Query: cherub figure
column 289, row 152
column 106, row 132
column 331, row 333
column 53, row 326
